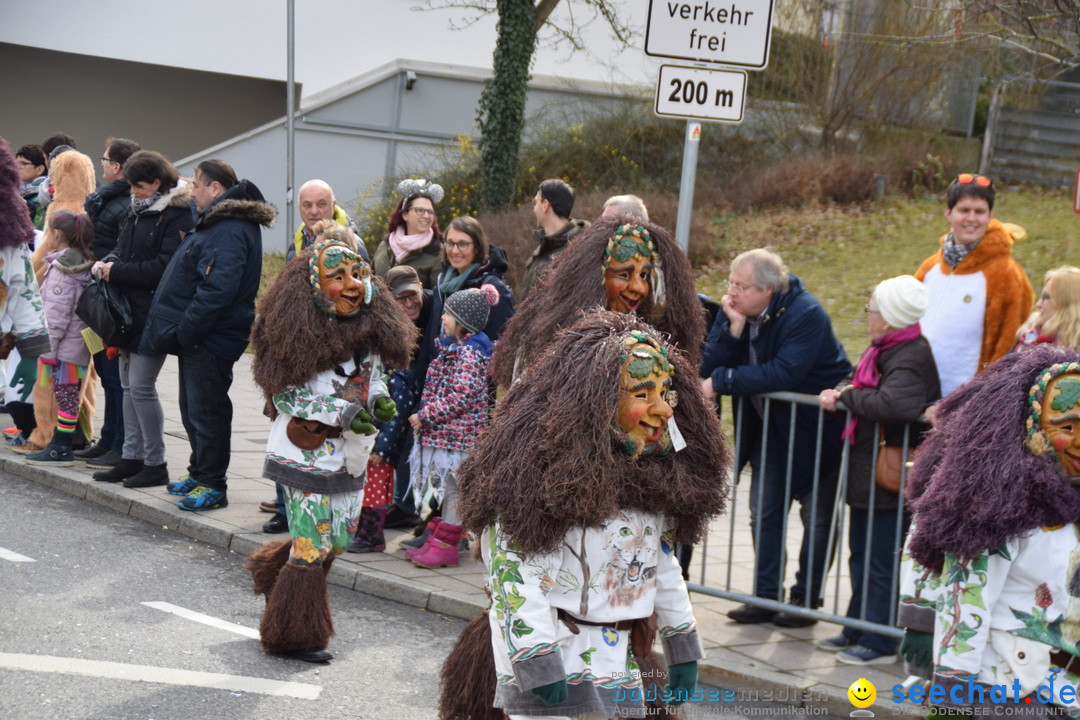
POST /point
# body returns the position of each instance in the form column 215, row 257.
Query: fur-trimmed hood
column 178, row 196
column 243, row 201
column 69, row 261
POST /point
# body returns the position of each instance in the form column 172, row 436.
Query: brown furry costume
column 72, row 176
column 539, row 474
column 294, row 340
column 575, row 281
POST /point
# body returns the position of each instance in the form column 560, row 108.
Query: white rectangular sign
column 688, row 92
column 729, row 32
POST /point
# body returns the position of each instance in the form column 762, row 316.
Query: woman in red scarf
column 895, row 381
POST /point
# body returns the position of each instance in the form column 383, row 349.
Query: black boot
column 121, row 471
column 149, row 476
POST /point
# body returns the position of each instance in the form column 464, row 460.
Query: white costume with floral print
column 622, row 570
column 1028, row 615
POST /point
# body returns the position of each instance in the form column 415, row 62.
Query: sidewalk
column 758, row 662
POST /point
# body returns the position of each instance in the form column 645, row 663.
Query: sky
column 335, row 39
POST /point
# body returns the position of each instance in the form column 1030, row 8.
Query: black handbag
column 107, row 312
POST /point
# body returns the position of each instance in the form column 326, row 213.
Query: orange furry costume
column 987, row 291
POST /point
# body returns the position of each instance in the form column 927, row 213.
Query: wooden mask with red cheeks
column 340, row 279
column 1054, row 422
column 631, row 268
column 645, row 399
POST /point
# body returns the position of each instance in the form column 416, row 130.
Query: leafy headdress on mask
column 574, row 282
column 982, row 478
column 550, row 459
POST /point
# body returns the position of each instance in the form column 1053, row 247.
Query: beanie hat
column 901, row 300
column 403, row 278
column 472, row 307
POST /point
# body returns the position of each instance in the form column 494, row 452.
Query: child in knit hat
column 453, row 410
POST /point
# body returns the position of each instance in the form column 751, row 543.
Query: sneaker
column 860, row 655
column 18, row 443
column 12, row 431
column 204, row 498
column 183, row 486
column 836, row 643
column 55, row 456
column 108, row 460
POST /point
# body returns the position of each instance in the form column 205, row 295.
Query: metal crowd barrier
column 836, row 540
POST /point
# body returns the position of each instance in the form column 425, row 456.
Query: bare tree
column 522, row 25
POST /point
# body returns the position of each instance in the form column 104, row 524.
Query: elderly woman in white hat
column 894, row 383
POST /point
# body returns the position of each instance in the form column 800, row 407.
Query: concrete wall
column 371, row 129
column 174, row 111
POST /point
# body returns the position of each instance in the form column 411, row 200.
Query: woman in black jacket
column 894, row 383
column 160, row 217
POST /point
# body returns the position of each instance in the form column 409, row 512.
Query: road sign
column 690, row 92
column 728, row 32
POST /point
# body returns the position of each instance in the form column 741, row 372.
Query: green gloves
column 552, row 693
column 384, row 409
column 682, row 679
column 25, row 373
column 361, row 424
column 917, row 648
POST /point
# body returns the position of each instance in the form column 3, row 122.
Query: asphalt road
column 78, row 638
column 104, row 617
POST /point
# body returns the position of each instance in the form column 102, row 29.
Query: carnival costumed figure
column 636, row 269
column 326, row 332
column 22, row 314
column 997, row 522
column 600, row 459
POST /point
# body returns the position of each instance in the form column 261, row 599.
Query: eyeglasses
column 736, row 288
column 423, row 212
column 980, row 180
column 105, row 159
column 463, row 245
column 869, row 310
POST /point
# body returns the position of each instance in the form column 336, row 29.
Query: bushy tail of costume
column 265, row 563
column 468, row 676
column 297, row 615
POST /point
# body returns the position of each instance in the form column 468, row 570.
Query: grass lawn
column 842, row 253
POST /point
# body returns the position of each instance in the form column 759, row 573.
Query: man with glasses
column 317, row 202
column 773, row 335
column 108, row 207
column 979, row 294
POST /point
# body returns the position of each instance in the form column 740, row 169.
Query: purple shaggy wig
column 984, row 486
column 575, row 281
column 15, row 226
column 549, row 460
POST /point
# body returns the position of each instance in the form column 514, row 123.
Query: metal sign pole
column 686, row 184
column 290, row 130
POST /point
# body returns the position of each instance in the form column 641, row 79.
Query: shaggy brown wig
column 294, row 340
column 550, row 461
column 986, row 487
column 15, row 226
column 575, row 281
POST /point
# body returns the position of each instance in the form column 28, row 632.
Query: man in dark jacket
column 203, row 312
column 552, row 206
column 108, row 207
column 773, row 335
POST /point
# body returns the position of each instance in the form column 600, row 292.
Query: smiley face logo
column 862, row 693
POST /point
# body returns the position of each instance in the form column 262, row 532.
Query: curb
column 746, row 681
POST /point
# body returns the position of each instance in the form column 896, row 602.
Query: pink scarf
column 867, row 374
column 403, row 244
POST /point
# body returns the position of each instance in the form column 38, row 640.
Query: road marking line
column 6, row 554
column 166, row 676
column 204, row 619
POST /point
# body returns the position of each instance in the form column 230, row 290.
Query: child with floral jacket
column 453, row 410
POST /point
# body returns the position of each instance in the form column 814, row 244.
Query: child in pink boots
column 453, row 410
